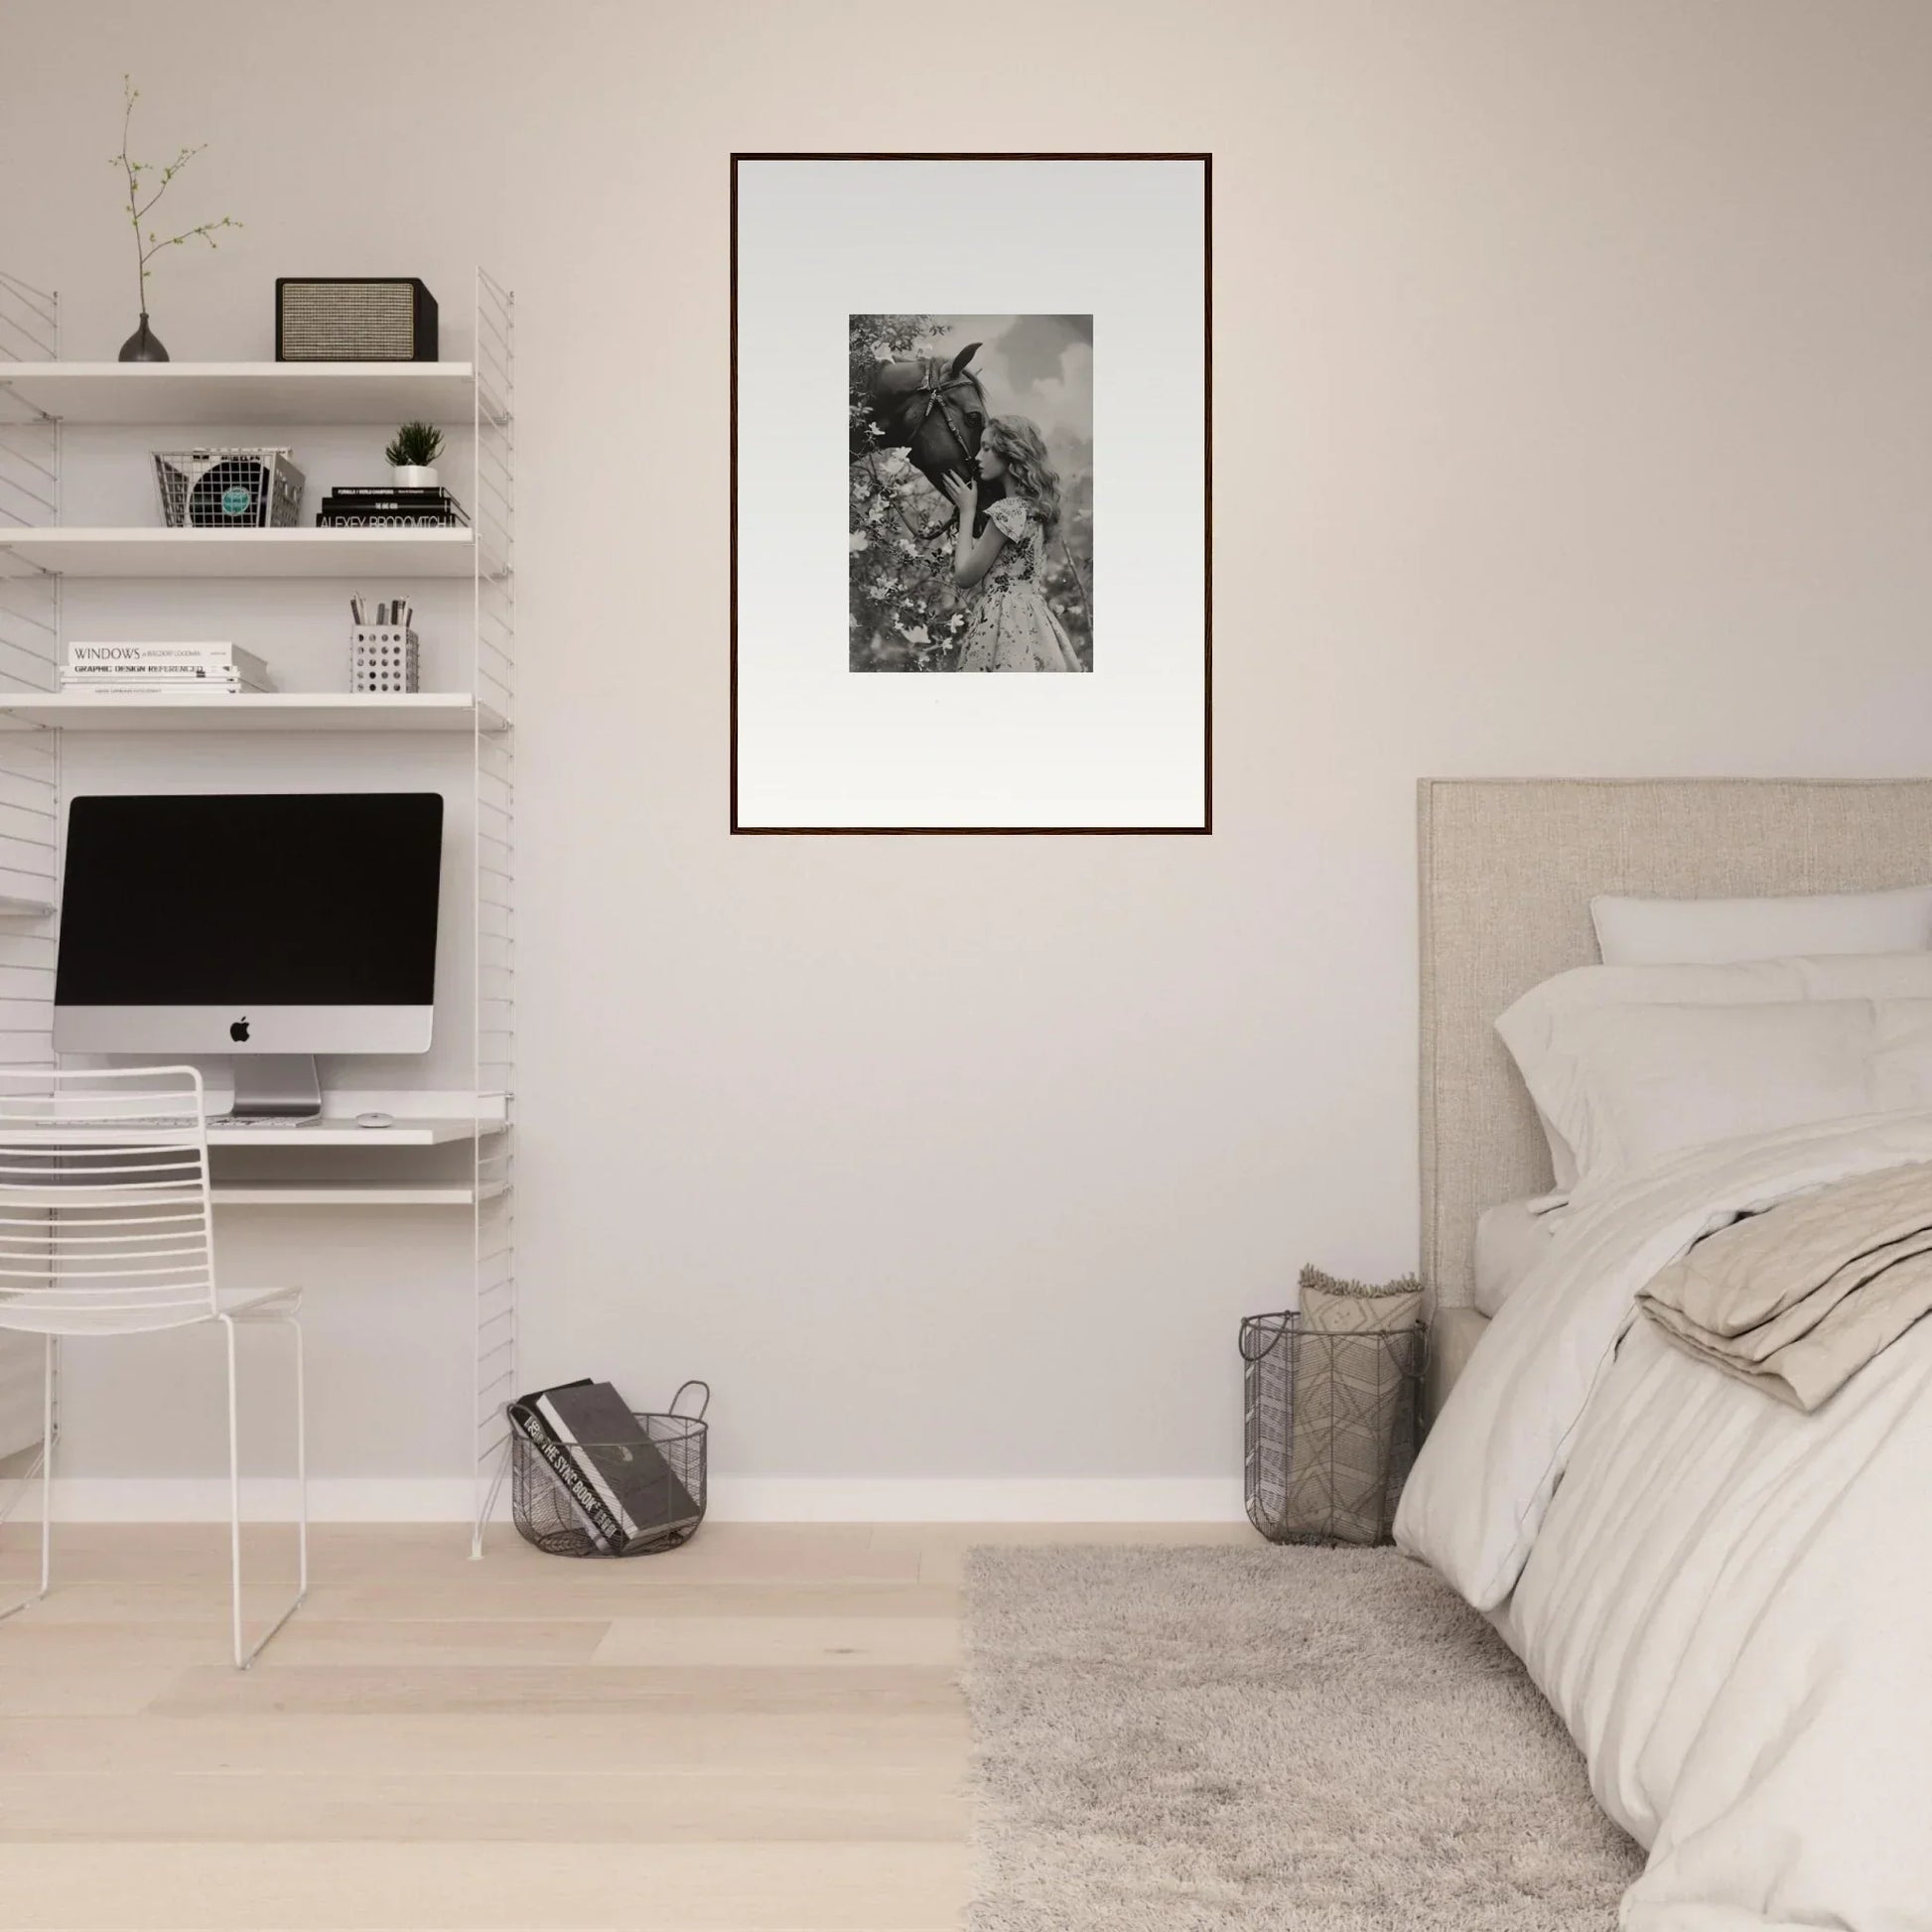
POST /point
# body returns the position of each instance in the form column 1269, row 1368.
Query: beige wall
column 1574, row 407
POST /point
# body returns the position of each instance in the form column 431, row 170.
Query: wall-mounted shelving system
column 40, row 396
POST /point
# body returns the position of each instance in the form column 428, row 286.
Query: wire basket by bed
column 1331, row 1428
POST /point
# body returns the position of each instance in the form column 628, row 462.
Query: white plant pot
column 414, row 476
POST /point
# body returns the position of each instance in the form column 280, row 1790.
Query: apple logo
column 240, row 1030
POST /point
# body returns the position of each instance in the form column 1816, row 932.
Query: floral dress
column 1009, row 623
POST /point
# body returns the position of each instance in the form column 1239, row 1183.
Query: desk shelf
column 438, row 1132
column 350, row 1193
column 426, row 1131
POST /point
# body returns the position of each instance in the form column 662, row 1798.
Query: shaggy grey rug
column 1299, row 1739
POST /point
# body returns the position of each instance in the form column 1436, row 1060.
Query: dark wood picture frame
column 1206, row 825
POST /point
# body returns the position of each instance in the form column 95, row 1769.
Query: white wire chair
column 106, row 1230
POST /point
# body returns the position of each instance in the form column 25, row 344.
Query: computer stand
column 276, row 1087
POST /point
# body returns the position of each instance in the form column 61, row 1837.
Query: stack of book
column 616, row 1478
column 120, row 669
column 383, row 506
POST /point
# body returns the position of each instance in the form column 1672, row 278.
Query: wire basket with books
column 590, row 1476
column 227, row 488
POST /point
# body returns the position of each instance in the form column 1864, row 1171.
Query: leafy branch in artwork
column 145, row 187
column 901, row 615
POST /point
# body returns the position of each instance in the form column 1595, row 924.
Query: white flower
column 954, row 621
column 882, row 351
column 856, row 542
column 918, row 635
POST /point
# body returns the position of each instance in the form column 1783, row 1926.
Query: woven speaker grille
column 348, row 321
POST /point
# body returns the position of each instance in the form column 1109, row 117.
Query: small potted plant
column 412, row 455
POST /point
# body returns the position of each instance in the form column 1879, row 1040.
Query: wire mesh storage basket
column 1331, row 1429
column 548, row 1514
column 227, row 489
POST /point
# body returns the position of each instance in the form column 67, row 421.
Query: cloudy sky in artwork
column 1031, row 365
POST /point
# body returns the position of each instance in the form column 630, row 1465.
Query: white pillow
column 1712, row 932
column 1628, row 1086
column 1528, row 1027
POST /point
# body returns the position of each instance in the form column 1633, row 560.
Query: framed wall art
column 971, row 492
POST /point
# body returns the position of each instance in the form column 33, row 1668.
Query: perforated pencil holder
column 382, row 657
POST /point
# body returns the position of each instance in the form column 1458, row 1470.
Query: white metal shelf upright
column 30, row 786
column 30, row 639
column 492, row 684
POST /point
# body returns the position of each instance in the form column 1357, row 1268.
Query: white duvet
column 1728, row 1601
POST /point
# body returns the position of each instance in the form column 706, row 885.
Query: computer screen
column 277, row 923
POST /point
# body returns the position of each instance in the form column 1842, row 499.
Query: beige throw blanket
column 1797, row 1299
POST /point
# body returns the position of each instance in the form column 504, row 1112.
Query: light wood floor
column 762, row 1730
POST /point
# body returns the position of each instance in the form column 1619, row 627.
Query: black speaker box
column 353, row 319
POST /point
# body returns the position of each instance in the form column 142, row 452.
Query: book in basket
column 598, row 1522
column 636, row 1490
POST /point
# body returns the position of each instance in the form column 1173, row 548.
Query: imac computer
column 268, row 926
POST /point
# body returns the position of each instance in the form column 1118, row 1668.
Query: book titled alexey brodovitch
column 615, row 1477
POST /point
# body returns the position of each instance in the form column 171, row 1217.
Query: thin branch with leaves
column 148, row 244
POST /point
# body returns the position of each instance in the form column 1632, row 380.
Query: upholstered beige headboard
column 1508, row 867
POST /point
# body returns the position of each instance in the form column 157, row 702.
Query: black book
column 625, row 1467
column 528, row 1420
column 427, row 500
column 367, row 518
column 408, row 493
column 432, row 506
column 443, row 508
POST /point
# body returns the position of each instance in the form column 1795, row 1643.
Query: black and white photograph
column 970, row 452
column 1024, row 401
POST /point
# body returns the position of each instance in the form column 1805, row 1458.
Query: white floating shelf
column 244, row 392
column 80, row 552
column 275, row 711
column 347, row 1193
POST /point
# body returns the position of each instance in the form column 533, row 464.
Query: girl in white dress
column 1010, row 627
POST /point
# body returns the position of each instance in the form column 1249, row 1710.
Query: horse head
column 932, row 409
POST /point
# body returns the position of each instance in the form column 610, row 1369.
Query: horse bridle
column 935, row 389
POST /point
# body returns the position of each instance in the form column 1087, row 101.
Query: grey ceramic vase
column 144, row 346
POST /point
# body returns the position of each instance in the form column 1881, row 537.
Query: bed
column 1723, row 1598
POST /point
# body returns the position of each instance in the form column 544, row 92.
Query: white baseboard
column 734, row 1499
column 975, row 1499
column 196, row 1499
